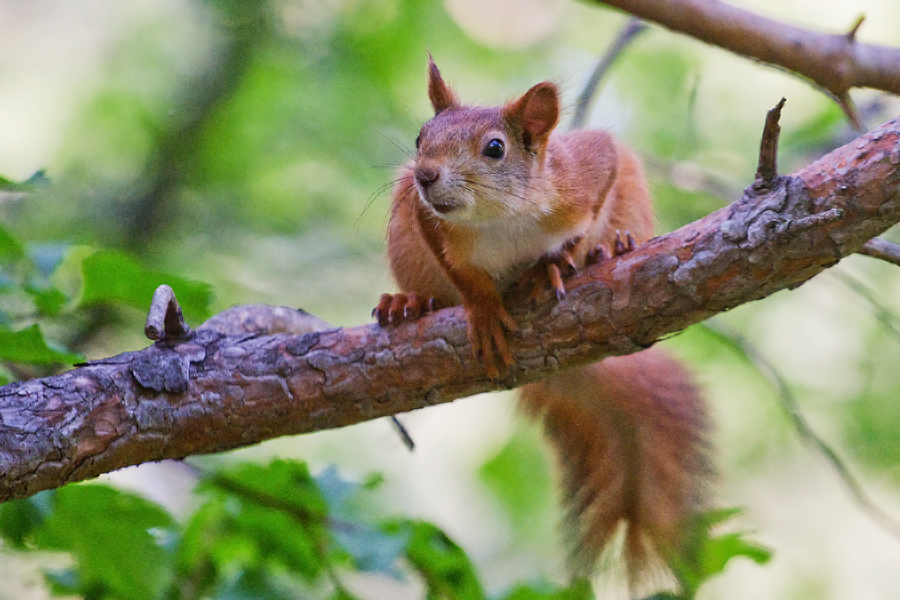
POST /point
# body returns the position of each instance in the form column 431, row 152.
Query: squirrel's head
column 476, row 164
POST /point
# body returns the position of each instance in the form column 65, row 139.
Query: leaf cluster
column 258, row 531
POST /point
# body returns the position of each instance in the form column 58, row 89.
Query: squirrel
column 493, row 195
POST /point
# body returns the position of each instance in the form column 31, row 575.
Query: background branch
column 627, row 34
column 214, row 392
column 834, row 62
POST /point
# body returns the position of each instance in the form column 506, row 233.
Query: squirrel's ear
column 537, row 112
column 440, row 94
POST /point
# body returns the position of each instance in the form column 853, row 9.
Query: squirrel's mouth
column 443, row 208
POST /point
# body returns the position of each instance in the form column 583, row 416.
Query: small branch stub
column 767, row 170
column 164, row 319
column 851, row 35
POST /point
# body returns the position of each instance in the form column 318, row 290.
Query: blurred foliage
column 248, row 147
column 55, row 285
column 269, row 532
column 519, row 477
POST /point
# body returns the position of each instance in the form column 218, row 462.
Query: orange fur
column 629, row 431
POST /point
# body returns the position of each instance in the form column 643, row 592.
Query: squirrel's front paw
column 394, row 309
column 486, row 334
column 623, row 244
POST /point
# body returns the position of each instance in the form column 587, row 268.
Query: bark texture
column 212, row 392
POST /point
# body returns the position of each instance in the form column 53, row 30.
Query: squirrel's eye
column 418, row 141
column 494, row 149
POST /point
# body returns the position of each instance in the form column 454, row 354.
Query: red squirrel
column 494, row 193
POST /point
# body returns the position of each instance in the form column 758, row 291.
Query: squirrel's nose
column 426, row 176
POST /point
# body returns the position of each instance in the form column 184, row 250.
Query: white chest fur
column 505, row 250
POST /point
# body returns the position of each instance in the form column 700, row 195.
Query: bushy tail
column 630, row 436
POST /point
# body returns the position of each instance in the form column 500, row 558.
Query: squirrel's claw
column 554, row 267
column 623, row 244
column 488, row 339
column 394, row 309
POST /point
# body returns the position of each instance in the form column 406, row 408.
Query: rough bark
column 213, row 392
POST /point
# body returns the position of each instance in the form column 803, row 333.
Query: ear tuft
column 440, row 94
column 537, row 112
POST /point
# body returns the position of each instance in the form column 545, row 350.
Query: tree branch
column 214, row 391
column 882, row 250
column 834, row 62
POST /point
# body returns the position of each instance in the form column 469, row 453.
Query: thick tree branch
column 213, row 392
column 834, row 62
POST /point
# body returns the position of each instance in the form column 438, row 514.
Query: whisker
column 409, row 154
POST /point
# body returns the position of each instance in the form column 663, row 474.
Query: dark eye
column 494, row 149
column 418, row 141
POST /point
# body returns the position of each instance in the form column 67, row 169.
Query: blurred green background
column 251, row 146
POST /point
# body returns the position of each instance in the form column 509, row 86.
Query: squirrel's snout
column 426, row 176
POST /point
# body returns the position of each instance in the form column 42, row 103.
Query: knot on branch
column 166, row 368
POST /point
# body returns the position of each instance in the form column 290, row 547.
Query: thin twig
column 884, row 316
column 792, row 409
column 883, row 250
column 630, row 31
column 403, row 433
column 854, row 29
column 845, row 102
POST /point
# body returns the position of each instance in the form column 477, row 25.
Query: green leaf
column 19, row 519
column 63, row 582
column 370, row 548
column 113, row 277
column 253, row 584
column 48, row 300
column 579, row 590
column 719, row 550
column 710, row 554
column 717, row 516
column 28, row 346
column 10, row 247
column 261, row 515
column 201, row 534
column 110, row 534
column 445, row 568
column 282, row 483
